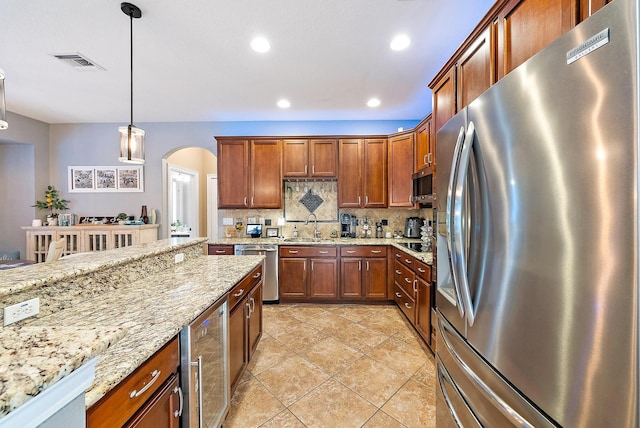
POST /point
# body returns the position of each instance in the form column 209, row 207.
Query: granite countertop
column 68, row 267
column 152, row 312
column 34, row 358
column 394, row 242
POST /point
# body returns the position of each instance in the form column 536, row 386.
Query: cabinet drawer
column 243, row 288
column 405, row 303
column 404, row 277
column 363, row 251
column 220, row 250
column 115, row 408
column 315, row 251
column 405, row 258
column 423, row 270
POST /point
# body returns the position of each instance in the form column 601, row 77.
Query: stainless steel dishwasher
column 270, row 274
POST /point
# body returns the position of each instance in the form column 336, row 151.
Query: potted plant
column 122, row 217
column 52, row 201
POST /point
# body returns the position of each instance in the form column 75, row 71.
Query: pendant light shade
column 3, row 107
column 131, row 138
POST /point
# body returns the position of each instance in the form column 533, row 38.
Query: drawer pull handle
column 351, row 251
column 398, row 272
column 407, row 280
column 134, row 393
column 239, row 293
column 398, row 256
column 293, row 251
column 324, row 252
column 220, row 251
column 257, row 275
column 406, row 305
column 178, row 412
column 421, row 270
column 398, row 294
column 376, row 251
column 407, row 261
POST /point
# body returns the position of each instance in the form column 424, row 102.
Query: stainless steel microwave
column 423, row 188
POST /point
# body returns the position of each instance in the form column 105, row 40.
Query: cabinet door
column 350, row 173
column 423, row 152
column 475, row 70
column 266, row 174
column 423, row 310
column 351, row 278
column 233, row 174
column 589, row 7
column 375, row 278
column 526, row 26
column 295, row 158
column 444, row 100
column 161, row 411
column 220, row 250
column 374, row 173
column 293, row 277
column 400, row 171
column 254, row 324
column 323, row 157
column 323, row 280
column 238, row 357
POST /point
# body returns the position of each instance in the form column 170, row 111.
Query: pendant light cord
column 131, row 40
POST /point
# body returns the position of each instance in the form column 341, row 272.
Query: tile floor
column 336, row 366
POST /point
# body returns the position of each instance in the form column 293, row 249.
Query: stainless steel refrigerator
column 537, row 239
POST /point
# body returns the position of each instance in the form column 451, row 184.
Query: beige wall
column 204, row 162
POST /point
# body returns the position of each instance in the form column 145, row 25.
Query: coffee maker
column 348, row 225
column 412, row 227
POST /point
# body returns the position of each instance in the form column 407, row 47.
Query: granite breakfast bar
column 131, row 301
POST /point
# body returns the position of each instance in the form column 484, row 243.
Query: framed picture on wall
column 130, row 179
column 272, row 232
column 81, row 179
column 105, row 179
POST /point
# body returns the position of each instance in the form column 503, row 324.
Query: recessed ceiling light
column 260, row 44
column 373, row 102
column 400, row 42
column 284, row 104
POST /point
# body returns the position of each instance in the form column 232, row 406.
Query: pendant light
column 131, row 138
column 3, row 107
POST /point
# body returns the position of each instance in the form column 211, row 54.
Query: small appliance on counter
column 412, row 227
column 348, row 225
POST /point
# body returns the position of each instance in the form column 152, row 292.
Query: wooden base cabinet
column 308, row 273
column 363, row 272
column 245, row 324
column 162, row 411
column 220, row 250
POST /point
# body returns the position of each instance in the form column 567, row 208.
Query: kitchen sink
column 308, row 240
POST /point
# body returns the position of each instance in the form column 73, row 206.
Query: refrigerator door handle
column 499, row 403
column 458, row 219
column 443, row 376
column 450, row 219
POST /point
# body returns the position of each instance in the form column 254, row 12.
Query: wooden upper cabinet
column 233, row 173
column 526, row 26
column 295, row 158
column 475, row 70
column 374, row 173
column 323, row 158
column 424, row 154
column 589, row 7
column 310, row 158
column 266, row 174
column 401, row 170
column 350, row 173
column 444, row 99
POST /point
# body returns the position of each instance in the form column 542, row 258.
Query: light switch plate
column 22, row 310
column 227, row 221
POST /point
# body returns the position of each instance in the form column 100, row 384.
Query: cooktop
column 417, row 246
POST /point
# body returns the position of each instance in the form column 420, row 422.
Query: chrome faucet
column 316, row 232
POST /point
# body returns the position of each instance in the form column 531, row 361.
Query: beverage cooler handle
column 460, row 264
column 449, row 221
column 199, row 365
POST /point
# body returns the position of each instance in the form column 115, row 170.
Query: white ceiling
column 193, row 62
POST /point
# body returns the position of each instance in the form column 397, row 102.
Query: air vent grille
column 78, row 61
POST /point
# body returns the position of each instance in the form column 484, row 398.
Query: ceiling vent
column 78, row 61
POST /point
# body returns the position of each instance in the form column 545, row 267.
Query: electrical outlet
column 385, row 222
column 21, row 310
column 179, row 257
column 227, row 221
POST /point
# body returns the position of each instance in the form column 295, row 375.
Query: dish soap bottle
column 295, row 231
